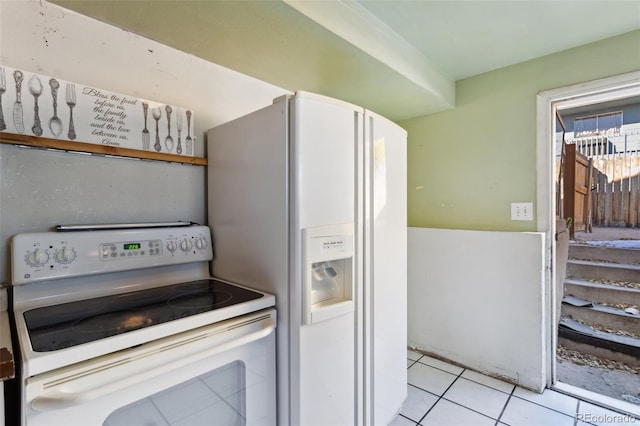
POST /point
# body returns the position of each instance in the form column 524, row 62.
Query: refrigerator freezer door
column 325, row 136
column 385, row 288
column 325, row 141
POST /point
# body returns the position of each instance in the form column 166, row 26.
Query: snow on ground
column 610, row 237
column 632, row 244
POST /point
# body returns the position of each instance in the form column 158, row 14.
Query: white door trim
column 548, row 101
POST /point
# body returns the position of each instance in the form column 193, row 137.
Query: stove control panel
column 53, row 255
column 122, row 250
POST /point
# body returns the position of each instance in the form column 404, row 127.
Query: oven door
column 221, row 374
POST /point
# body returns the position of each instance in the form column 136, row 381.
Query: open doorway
column 572, row 368
column 598, row 157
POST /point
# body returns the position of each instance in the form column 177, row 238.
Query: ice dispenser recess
column 327, row 272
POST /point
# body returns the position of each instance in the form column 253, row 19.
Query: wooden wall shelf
column 15, row 139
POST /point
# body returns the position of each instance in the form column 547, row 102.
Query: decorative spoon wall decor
column 35, row 88
column 55, row 124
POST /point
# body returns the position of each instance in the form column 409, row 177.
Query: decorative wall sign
column 42, row 106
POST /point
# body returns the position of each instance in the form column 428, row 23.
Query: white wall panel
column 477, row 298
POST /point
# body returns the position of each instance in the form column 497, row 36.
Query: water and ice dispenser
column 328, row 274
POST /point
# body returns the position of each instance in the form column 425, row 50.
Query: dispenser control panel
column 328, row 272
column 334, row 244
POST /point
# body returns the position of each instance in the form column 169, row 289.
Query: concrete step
column 600, row 316
column 575, row 336
column 606, row 254
column 598, row 351
column 584, row 269
column 601, row 293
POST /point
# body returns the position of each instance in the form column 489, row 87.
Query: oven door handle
column 75, row 390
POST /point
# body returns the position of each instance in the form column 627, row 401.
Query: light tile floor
column 441, row 394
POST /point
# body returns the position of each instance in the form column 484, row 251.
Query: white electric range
column 123, row 322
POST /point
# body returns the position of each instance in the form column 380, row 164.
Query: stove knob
column 65, row 255
column 172, row 246
column 201, row 243
column 37, row 258
column 186, row 245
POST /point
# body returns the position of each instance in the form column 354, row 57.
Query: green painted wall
column 467, row 165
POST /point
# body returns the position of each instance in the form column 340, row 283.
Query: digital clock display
column 132, row 246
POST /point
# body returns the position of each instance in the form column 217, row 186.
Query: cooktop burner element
column 200, row 300
column 70, row 324
column 112, row 321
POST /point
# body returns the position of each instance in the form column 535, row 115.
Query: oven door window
column 215, row 398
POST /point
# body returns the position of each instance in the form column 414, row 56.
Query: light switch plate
column 521, row 211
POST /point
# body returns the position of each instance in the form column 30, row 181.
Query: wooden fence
column 616, row 202
column 615, row 193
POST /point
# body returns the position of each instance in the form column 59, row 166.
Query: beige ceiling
column 398, row 58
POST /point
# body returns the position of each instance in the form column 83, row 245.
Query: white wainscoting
column 477, row 298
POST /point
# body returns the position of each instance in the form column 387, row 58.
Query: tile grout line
column 405, row 417
column 505, row 405
column 506, row 393
column 511, row 394
column 468, row 408
column 469, row 379
column 448, row 400
column 449, row 387
column 441, row 369
column 603, row 406
column 414, row 363
column 487, row 386
column 543, row 406
column 441, row 396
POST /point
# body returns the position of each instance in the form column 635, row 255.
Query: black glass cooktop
column 74, row 323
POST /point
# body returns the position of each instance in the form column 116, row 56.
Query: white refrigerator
column 307, row 200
